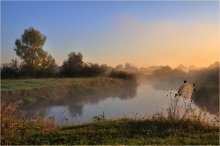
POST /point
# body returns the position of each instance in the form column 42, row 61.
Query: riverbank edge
column 57, row 89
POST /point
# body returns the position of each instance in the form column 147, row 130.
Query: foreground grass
column 159, row 130
column 128, row 131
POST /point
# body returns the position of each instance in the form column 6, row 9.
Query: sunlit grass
column 39, row 83
column 29, row 91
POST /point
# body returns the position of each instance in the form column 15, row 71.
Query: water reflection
column 147, row 98
column 74, row 103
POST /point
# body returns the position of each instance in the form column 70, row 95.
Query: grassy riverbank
column 128, row 131
column 34, row 90
column 125, row 131
column 18, row 84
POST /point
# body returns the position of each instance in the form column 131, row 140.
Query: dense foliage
column 11, row 70
column 75, row 67
column 208, row 87
column 121, row 75
column 36, row 62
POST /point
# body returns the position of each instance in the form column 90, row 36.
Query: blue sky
column 117, row 32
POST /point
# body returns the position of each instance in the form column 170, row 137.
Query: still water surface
column 131, row 101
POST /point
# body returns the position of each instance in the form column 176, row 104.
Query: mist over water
column 148, row 97
column 205, row 79
column 132, row 100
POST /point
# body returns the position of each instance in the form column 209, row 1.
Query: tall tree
column 30, row 49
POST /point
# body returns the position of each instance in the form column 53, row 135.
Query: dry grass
column 15, row 130
column 181, row 108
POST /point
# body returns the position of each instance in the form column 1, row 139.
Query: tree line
column 37, row 63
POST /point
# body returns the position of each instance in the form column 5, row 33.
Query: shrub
column 92, row 70
column 122, row 75
column 11, row 70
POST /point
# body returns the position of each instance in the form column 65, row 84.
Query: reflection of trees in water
column 75, row 109
column 75, row 102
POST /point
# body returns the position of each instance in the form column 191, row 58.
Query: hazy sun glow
column 159, row 43
column 141, row 33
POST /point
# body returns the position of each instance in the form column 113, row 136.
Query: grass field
column 29, row 91
column 128, row 131
column 39, row 83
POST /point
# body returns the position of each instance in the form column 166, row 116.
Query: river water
column 132, row 101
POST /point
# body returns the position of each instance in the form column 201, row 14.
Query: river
column 134, row 101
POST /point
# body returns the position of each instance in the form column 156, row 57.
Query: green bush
column 122, row 75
